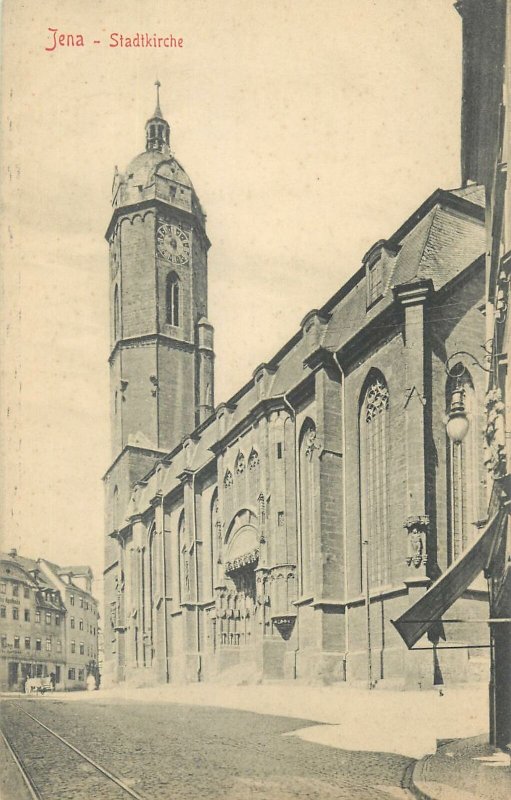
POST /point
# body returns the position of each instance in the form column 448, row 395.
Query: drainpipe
column 196, row 559
column 368, row 618
column 344, row 514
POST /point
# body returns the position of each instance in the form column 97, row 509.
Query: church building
column 278, row 534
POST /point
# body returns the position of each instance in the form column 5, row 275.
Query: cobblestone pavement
column 171, row 751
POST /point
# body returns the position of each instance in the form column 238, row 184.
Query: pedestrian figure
column 52, row 681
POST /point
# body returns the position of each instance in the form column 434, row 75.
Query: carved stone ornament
column 240, row 464
column 310, row 443
column 245, row 560
column 495, row 434
column 417, row 528
column 377, row 400
column 228, row 479
column 253, row 460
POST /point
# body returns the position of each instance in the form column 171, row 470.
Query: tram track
column 53, row 768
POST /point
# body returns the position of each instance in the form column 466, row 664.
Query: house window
column 81, row 625
column 27, row 642
column 374, row 456
column 57, row 619
column 72, row 622
column 73, row 647
column 279, row 449
column 172, row 299
column 3, row 611
column 26, row 592
column 15, row 613
column 86, row 605
column 81, row 675
column 48, row 618
column 38, row 671
column 27, row 615
column 48, row 644
column 82, row 649
column 37, row 644
column 465, row 496
column 71, row 674
column 38, row 616
column 3, row 642
column 81, row 602
column 59, row 646
column 3, row 588
column 71, row 599
column 15, row 589
column 16, row 642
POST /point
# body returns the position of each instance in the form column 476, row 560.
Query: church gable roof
column 438, row 242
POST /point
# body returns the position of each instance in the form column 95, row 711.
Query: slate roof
column 437, row 242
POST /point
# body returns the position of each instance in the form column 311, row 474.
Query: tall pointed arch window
column 374, row 454
column 184, row 565
column 117, row 314
column 216, row 538
column 172, row 299
column 308, row 483
column 463, row 470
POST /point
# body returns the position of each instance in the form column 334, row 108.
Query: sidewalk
column 464, row 769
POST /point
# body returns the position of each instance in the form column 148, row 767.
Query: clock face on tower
column 173, row 244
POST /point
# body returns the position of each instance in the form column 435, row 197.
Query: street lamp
column 457, row 421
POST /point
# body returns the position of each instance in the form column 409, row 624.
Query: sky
column 310, row 129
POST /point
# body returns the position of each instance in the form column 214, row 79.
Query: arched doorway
column 237, row 603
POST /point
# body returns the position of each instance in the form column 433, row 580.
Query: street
column 184, row 751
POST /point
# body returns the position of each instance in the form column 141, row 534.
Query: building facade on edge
column 48, row 623
column 486, row 144
column 278, row 534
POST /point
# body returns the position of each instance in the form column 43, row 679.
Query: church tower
column 161, row 343
column 161, row 354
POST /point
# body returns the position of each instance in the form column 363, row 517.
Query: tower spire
column 157, row 128
column 157, row 112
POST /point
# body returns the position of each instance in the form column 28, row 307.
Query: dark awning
column 417, row 619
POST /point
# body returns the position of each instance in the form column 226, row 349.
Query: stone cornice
column 151, row 338
column 161, row 207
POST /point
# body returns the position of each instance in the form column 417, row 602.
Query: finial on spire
column 157, row 112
